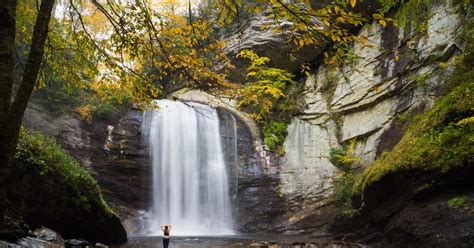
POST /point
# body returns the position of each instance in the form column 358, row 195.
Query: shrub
column 264, row 87
column 269, row 97
column 343, row 188
column 344, row 157
column 109, row 109
column 85, row 112
column 274, row 134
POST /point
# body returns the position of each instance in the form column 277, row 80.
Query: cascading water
column 190, row 181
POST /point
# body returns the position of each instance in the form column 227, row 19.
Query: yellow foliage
column 264, row 86
column 85, row 112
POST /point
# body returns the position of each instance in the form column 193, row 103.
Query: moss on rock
column 437, row 141
column 51, row 189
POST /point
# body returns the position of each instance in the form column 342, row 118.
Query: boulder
column 50, row 189
column 49, row 235
column 77, row 242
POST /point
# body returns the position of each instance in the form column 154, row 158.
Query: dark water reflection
column 238, row 241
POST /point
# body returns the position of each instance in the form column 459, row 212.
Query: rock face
column 432, row 222
column 112, row 150
column 257, row 35
column 365, row 100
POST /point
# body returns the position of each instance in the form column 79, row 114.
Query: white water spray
column 190, row 181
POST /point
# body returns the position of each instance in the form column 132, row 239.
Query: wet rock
column 258, row 205
column 306, row 171
column 431, row 222
column 36, row 242
column 30, row 242
column 77, row 242
column 49, row 235
column 261, row 244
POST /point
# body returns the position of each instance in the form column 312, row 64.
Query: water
column 242, row 241
column 190, row 181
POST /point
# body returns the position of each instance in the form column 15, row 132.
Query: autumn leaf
column 353, row 3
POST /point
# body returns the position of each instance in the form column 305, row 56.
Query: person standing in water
column 166, row 235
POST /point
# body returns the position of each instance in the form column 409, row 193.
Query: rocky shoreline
column 45, row 237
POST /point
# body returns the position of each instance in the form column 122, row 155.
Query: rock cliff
column 395, row 74
column 111, row 150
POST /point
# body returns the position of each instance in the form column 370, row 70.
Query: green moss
column 458, row 202
column 349, row 219
column 37, row 152
column 433, row 141
column 440, row 139
column 349, row 214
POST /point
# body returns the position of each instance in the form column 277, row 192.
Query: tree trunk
column 7, row 63
column 11, row 113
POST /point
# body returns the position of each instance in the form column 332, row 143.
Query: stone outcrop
column 63, row 199
column 45, row 237
column 258, row 35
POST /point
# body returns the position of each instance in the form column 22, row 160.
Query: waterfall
column 190, row 187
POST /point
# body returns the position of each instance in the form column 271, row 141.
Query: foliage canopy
column 128, row 49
